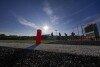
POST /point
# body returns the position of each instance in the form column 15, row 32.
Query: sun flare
column 45, row 27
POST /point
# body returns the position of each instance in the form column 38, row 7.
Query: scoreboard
column 90, row 28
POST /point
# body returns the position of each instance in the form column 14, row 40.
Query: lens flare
column 45, row 27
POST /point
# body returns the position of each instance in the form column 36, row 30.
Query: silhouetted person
column 59, row 34
column 65, row 34
column 52, row 34
column 72, row 34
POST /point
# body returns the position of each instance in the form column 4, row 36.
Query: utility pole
column 56, row 32
column 73, row 30
column 78, row 30
column 82, row 30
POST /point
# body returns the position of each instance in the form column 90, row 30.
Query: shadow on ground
column 33, row 46
column 13, row 57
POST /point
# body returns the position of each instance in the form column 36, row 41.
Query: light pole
column 78, row 30
column 56, row 32
column 82, row 29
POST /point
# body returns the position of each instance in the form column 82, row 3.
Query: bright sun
column 45, row 27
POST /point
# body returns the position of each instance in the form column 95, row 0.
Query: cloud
column 49, row 11
column 24, row 21
column 81, row 10
column 95, row 19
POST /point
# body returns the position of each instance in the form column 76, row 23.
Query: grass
column 48, row 41
column 53, row 42
column 18, row 41
column 26, row 41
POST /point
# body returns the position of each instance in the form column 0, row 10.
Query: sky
column 24, row 17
